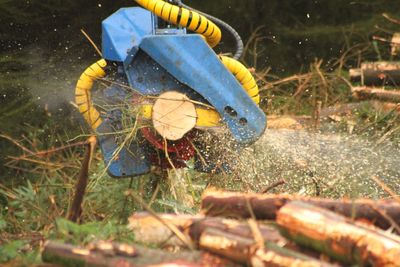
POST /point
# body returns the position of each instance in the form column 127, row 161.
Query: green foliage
column 91, row 231
column 11, row 250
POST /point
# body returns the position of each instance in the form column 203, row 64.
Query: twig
column 386, row 188
column 317, row 115
column 387, row 217
column 17, row 144
column 386, row 16
column 185, row 239
column 273, row 185
column 91, row 42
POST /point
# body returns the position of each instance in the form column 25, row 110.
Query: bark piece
column 338, row 236
column 248, row 251
column 265, row 206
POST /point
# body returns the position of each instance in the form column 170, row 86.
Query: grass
column 36, row 195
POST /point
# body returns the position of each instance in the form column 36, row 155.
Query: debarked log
column 363, row 93
column 248, row 251
column 265, row 206
column 149, row 230
column 338, row 236
column 107, row 254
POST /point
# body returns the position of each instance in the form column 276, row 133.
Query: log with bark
column 337, row 236
column 107, row 254
column 265, row 206
column 364, row 93
column 377, row 74
column 149, row 230
column 250, row 252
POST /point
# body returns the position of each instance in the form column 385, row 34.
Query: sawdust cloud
column 326, row 164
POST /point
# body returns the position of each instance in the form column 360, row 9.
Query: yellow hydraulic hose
column 184, row 17
column 244, row 76
column 83, row 93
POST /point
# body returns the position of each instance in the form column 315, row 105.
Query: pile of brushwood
column 235, row 229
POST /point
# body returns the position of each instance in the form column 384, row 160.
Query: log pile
column 239, row 229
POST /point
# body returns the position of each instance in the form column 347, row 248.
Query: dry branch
column 337, row 236
column 265, row 206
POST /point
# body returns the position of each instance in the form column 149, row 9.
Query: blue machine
column 152, row 57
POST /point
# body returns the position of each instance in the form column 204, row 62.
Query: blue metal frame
column 156, row 60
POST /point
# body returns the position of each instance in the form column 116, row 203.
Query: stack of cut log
column 238, row 229
column 373, row 78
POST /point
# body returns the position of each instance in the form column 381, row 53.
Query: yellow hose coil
column 83, row 93
column 244, row 77
column 185, row 18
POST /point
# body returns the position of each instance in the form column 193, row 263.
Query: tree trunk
column 337, row 236
column 248, row 251
column 265, row 207
column 363, row 93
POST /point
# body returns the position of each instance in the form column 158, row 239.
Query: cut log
column 364, row 93
column 173, row 115
column 248, row 251
column 377, row 74
column 110, row 255
column 149, row 230
column 265, row 206
column 395, row 44
column 337, row 236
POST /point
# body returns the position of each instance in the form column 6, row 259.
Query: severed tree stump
column 338, row 236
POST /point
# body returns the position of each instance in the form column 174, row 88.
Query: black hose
column 226, row 26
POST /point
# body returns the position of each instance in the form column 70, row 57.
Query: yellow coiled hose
column 244, row 76
column 83, row 92
column 184, row 17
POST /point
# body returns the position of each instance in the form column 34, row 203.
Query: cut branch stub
column 173, row 115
